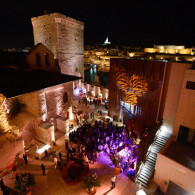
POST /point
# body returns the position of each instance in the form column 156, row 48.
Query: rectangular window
column 190, row 85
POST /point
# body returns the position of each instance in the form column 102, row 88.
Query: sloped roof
column 36, row 46
column 14, row 83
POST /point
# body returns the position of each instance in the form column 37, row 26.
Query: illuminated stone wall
column 4, row 122
column 64, row 37
column 31, row 102
column 55, row 102
column 40, row 106
column 43, row 105
column 47, row 103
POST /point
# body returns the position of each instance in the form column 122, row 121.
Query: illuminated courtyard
column 53, row 182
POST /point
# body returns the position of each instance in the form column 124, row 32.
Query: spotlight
column 140, row 192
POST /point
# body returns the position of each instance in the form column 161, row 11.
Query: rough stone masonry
column 64, row 37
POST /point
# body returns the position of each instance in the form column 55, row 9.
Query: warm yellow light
column 132, row 87
column 53, row 135
column 43, row 149
column 71, row 116
column 131, row 54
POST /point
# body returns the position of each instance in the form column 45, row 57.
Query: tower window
column 47, row 59
column 38, row 58
column 65, row 97
column 190, row 85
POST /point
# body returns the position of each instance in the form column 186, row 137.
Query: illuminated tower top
column 64, row 37
column 106, row 42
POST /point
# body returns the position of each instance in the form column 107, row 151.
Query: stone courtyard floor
column 54, row 184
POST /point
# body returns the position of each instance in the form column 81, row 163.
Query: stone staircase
column 146, row 170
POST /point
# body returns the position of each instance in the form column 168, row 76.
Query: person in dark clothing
column 25, row 158
column 73, row 149
column 60, row 155
column 91, row 159
column 6, row 191
column 77, row 122
column 17, row 177
column 2, row 185
column 68, row 155
column 66, row 144
column 43, row 168
column 70, row 151
column 59, row 165
column 113, row 179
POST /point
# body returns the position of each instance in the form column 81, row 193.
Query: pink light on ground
column 140, row 192
column 76, row 91
column 124, row 152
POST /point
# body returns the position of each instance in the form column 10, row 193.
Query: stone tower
column 64, row 37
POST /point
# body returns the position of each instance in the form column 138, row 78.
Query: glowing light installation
column 132, row 88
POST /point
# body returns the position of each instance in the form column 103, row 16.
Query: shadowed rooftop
column 14, row 82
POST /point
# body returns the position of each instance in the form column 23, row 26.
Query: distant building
column 100, row 55
column 170, row 53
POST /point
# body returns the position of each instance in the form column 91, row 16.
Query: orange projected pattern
column 132, row 87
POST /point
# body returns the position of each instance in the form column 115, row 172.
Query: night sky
column 127, row 22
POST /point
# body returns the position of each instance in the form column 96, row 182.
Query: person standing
column 113, row 179
column 43, row 168
column 77, row 121
column 60, row 155
column 80, row 118
column 59, row 163
column 25, row 158
column 92, row 159
column 94, row 156
column 66, row 144
column 2, row 185
column 17, row 177
column 55, row 161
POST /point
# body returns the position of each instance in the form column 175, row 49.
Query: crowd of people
column 90, row 101
column 108, row 137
